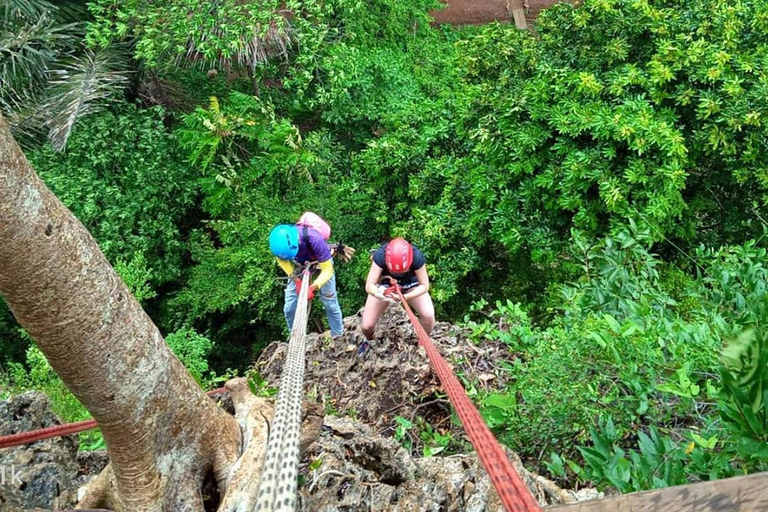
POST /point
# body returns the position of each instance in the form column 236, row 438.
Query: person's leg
column 426, row 310
column 291, row 298
column 371, row 314
column 332, row 308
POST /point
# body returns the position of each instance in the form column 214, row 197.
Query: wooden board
column 739, row 494
column 518, row 13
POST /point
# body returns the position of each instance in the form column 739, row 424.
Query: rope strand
column 514, row 495
column 279, row 477
column 67, row 429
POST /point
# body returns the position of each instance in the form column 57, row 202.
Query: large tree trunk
column 162, row 432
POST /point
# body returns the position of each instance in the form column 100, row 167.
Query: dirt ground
column 475, row 12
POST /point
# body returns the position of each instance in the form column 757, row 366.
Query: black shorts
column 404, row 286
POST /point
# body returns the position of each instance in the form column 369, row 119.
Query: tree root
column 100, row 492
column 238, row 482
column 254, row 415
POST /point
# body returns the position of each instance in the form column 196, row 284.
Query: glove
column 310, row 292
column 380, row 294
column 343, row 252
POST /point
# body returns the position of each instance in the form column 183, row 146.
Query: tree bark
column 162, row 432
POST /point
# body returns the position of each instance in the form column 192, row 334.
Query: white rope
column 279, row 477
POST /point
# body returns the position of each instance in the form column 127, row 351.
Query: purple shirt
column 312, row 247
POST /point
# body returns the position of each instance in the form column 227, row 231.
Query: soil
column 476, row 12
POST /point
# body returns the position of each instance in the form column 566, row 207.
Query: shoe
column 363, row 348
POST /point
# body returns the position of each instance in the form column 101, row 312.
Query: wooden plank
column 520, row 21
column 518, row 13
column 738, row 494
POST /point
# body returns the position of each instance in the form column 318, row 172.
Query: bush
column 622, row 354
column 125, row 179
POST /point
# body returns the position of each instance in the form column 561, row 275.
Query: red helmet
column 399, row 256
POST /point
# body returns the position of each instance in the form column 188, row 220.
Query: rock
column 44, row 474
column 394, row 377
column 351, row 468
column 40, row 474
column 350, row 460
column 357, row 465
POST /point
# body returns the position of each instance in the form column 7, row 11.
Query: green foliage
column 402, row 431
column 621, row 351
column 433, row 441
column 228, row 33
column 617, row 108
column 744, row 403
column 658, row 461
column 192, row 349
column 258, row 385
column 656, row 464
column 136, row 276
column 124, row 178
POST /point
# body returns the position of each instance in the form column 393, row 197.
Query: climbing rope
column 513, row 493
column 279, row 478
column 57, row 431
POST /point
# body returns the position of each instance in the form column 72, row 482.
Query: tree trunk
column 164, row 435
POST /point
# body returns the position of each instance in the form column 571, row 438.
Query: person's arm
column 422, row 287
column 326, row 272
column 286, row 265
column 324, row 260
column 371, row 283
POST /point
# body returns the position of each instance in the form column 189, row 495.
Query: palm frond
column 260, row 48
column 24, row 10
column 28, row 51
column 25, row 115
column 250, row 50
column 70, row 11
column 82, row 87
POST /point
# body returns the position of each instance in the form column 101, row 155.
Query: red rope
column 513, row 493
column 57, row 431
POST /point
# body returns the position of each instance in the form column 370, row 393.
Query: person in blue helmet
column 303, row 245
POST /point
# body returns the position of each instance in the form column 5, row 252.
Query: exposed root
column 238, row 481
column 254, row 415
column 101, row 492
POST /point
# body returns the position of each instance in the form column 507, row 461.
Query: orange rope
column 57, row 431
column 513, row 493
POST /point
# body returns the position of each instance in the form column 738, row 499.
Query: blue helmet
column 284, row 241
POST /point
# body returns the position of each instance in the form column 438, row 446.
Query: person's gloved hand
column 391, row 292
column 310, row 292
column 343, row 252
column 381, row 296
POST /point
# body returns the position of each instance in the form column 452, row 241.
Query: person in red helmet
column 400, row 261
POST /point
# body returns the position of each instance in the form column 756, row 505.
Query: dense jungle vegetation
column 591, row 192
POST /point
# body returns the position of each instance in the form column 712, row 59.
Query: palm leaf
column 25, row 116
column 265, row 41
column 28, row 10
column 82, row 87
column 28, row 50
